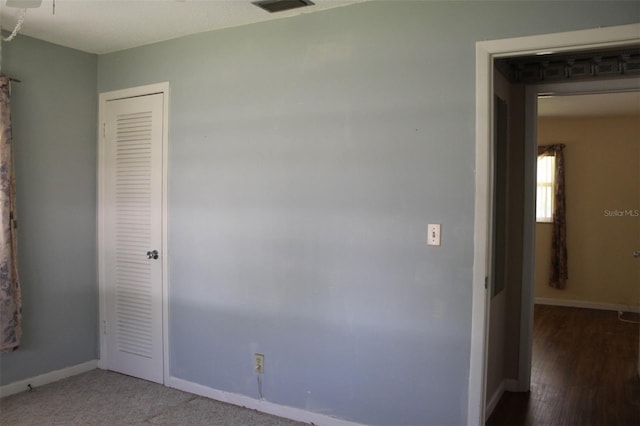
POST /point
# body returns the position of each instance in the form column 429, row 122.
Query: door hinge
column 486, row 283
column 104, row 130
column 104, row 327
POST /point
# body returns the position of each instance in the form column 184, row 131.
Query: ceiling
column 103, row 26
column 590, row 105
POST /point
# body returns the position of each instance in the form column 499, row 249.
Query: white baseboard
column 493, row 401
column 259, row 405
column 506, row 385
column 586, row 304
column 43, row 379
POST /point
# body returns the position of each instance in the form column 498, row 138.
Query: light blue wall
column 54, row 134
column 307, row 157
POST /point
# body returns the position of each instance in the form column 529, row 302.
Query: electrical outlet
column 258, row 363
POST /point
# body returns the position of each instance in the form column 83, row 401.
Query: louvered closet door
column 133, row 220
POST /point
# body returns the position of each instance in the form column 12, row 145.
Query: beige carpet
column 106, row 398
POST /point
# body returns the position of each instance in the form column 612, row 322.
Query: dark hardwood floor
column 584, row 372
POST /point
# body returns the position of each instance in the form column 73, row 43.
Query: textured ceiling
column 590, row 105
column 103, row 26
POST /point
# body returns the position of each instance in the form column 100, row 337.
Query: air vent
column 24, row 4
column 273, row 6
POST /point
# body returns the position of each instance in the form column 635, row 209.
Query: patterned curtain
column 10, row 300
column 559, row 271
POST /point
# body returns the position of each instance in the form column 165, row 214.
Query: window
column 544, row 192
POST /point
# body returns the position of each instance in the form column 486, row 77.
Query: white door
column 133, row 236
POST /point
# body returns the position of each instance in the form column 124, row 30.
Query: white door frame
column 486, row 52
column 101, row 231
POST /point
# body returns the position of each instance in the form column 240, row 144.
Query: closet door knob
column 152, row 254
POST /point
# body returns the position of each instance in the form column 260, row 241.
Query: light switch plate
column 258, row 364
column 433, row 237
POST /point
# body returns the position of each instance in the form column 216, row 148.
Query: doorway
column 534, row 92
column 575, row 346
column 486, row 52
column 132, row 261
column 600, row 134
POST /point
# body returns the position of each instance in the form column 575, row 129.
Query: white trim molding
column 46, row 378
column 261, row 405
column 101, row 231
column 493, row 401
column 507, row 385
column 586, row 304
column 486, row 52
